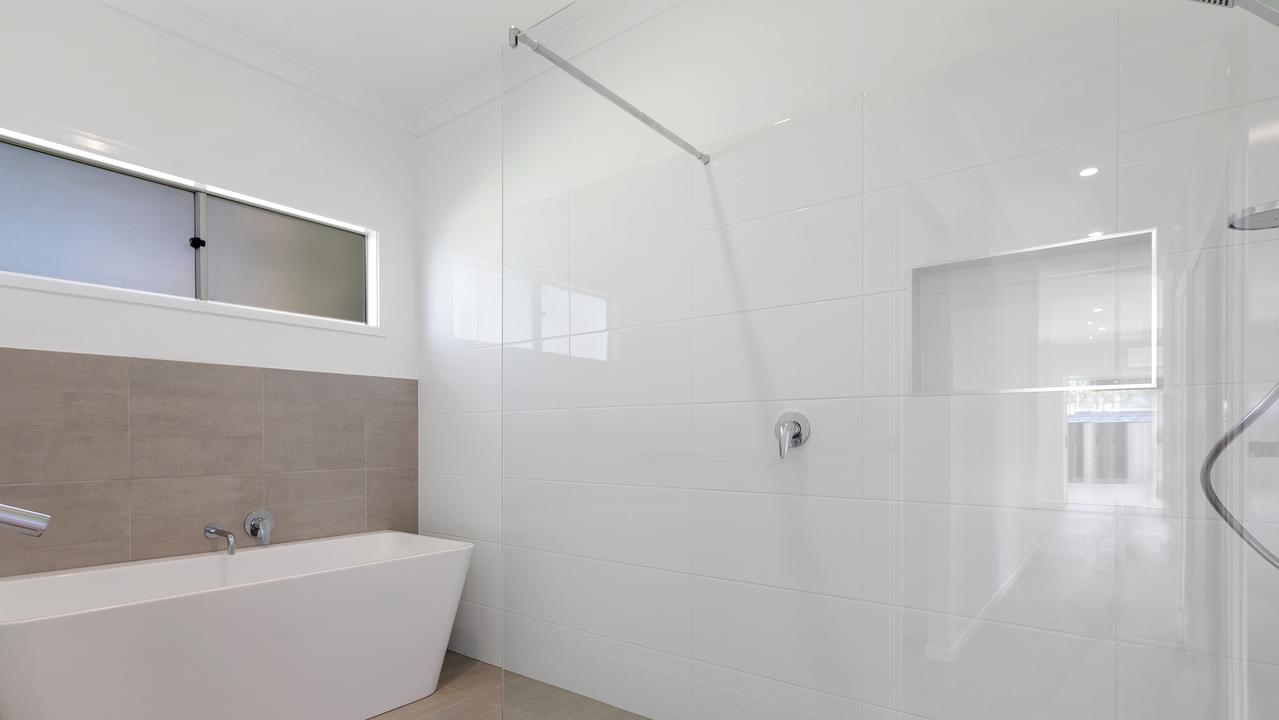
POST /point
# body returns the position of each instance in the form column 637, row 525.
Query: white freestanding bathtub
column 343, row 628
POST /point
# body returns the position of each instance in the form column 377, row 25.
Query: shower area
column 982, row 248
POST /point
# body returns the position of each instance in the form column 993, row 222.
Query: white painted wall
column 921, row 558
column 81, row 73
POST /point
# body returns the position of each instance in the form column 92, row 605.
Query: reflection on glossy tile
column 952, row 668
column 813, row 641
column 800, row 256
column 810, row 159
column 801, row 351
column 615, row 290
column 644, row 205
column 779, row 540
column 1034, row 94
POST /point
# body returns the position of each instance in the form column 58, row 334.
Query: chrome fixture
column 258, row 524
column 518, row 36
column 214, row 531
column 1268, row 11
column 792, row 431
column 28, row 522
column 1257, row 217
column 1205, row 475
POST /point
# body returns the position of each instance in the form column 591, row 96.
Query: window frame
column 372, row 324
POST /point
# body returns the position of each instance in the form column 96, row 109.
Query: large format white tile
column 537, row 304
column 477, row 632
column 638, row 525
column 1184, row 178
column 881, row 447
column 813, row 641
column 736, row 448
column 1003, row 450
column 460, row 506
column 535, row 375
column 451, row 259
column 639, row 285
column 1167, row 684
column 1050, row 90
column 460, row 444
column 723, row 694
column 1178, row 60
column 805, row 255
column 638, row 605
column 885, row 367
column 1014, row 204
column 646, row 365
column 801, row 351
column 654, row 684
column 462, row 319
column 1045, row 569
column 463, row 381
column 950, row 668
column 802, row 543
column 635, row 207
column 640, row 445
column 794, row 163
column 535, row 236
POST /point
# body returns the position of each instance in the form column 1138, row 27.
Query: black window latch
column 197, row 243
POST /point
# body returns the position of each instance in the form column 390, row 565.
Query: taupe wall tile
column 316, row 504
column 390, row 422
column 392, row 499
column 169, row 514
column 63, row 417
column 314, row 421
column 133, row 457
column 194, row 419
column 90, row 526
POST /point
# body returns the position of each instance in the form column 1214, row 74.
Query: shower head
column 1257, row 217
column 1265, row 9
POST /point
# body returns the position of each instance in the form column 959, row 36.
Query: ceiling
column 387, row 58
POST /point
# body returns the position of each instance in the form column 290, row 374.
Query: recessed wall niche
column 1075, row 315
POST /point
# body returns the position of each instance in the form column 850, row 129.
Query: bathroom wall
column 133, row 456
column 84, row 74
column 612, row 329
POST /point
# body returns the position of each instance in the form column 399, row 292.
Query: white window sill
column 208, row 307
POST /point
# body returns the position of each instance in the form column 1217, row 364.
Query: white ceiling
column 388, row 58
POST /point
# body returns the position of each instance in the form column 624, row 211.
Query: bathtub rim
column 455, row 546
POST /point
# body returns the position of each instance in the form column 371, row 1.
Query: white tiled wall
column 640, row 542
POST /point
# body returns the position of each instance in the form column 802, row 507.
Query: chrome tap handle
column 785, row 437
column 792, row 430
column 259, row 524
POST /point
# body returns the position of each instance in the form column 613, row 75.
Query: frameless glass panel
column 1078, row 315
column 266, row 259
column 65, row 219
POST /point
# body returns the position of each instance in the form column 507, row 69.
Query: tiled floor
column 472, row 690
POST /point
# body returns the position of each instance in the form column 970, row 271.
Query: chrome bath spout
column 213, row 531
column 28, row 522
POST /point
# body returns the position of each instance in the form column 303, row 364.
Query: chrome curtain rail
column 517, row 36
column 1205, row 475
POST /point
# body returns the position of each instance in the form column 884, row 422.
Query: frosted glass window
column 1079, row 315
column 68, row 220
column 267, row 259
